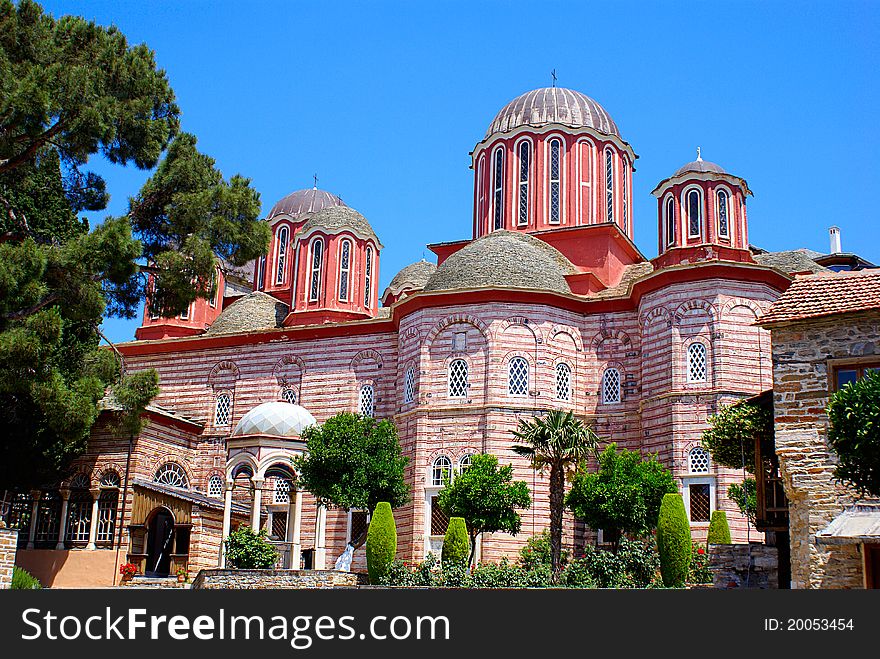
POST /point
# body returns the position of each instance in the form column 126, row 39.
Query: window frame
column 409, row 384
column 609, row 181
column 558, row 181
column 368, row 276
column 449, row 378
column 605, row 374
column 316, row 282
column 345, row 270
column 281, row 249
column 728, row 207
column 686, row 483
column 214, row 478
column 524, row 183
column 228, row 414
column 498, row 167
column 690, row 460
column 169, row 467
column 367, row 406
column 567, row 367
column 689, row 362
column 669, row 219
column 512, row 363
column 858, row 366
column 685, row 195
column 436, row 470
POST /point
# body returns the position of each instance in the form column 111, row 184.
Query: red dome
column 304, row 201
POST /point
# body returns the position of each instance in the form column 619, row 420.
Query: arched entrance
column 160, row 543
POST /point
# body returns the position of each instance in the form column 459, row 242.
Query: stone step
column 156, row 582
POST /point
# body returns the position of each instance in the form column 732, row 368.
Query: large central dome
column 304, row 201
column 553, row 105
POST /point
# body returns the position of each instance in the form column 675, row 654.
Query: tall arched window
column 609, row 185
column 215, row 486
column 697, row 364
column 518, row 377
column 317, row 269
column 281, row 260
column 723, row 210
column 366, row 400
column 261, row 273
column 498, row 189
column 611, row 386
column 368, row 276
column 79, row 510
column 481, row 191
column 563, row 382
column 555, row 180
column 107, row 507
column 623, row 192
column 171, row 474
column 223, row 410
column 669, row 220
column 409, row 385
column 344, row 269
column 694, row 205
column 525, row 153
column 441, row 470
column 458, row 378
column 698, row 460
column 465, row 462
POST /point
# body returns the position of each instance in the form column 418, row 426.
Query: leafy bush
column 430, row 573
column 745, row 497
column 699, row 570
column 456, row 544
column 854, row 434
column 673, row 541
column 536, row 552
column 246, row 550
column 633, row 565
column 22, row 580
column 381, row 542
column 719, row 529
column 730, row 438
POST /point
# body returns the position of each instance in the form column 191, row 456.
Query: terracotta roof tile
column 825, row 294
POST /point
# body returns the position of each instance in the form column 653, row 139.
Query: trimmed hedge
column 246, row 550
column 381, row 542
column 673, row 541
column 456, row 543
column 22, row 580
column 719, row 529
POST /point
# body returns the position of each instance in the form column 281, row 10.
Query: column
column 62, row 523
column 294, row 528
column 320, row 532
column 227, row 521
column 35, row 495
column 258, row 499
column 93, row 526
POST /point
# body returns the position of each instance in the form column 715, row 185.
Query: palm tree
column 561, row 442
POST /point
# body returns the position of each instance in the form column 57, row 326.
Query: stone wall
column 744, row 566
column 276, row 579
column 805, row 355
column 8, row 545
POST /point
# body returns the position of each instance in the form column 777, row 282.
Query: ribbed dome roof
column 415, row 276
column 336, row 218
column 304, row 201
column 699, row 165
column 553, row 105
column 504, row 259
column 275, row 419
column 252, row 312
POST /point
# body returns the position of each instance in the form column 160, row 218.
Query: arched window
column 555, row 180
column 215, row 486
column 525, row 153
column 171, row 474
column 623, row 192
column 366, row 400
column 698, row 460
column 518, row 377
column 344, row 269
column 441, row 470
column 696, row 362
column 498, row 189
column 288, row 395
column 79, row 510
column 694, row 205
column 464, row 462
column 723, row 210
column 107, row 508
column 481, row 191
column 609, row 185
column 368, row 276
column 261, row 273
column 110, row 478
column 563, row 382
column 317, row 269
column 409, row 385
column 282, row 490
column 223, row 410
column 281, row 261
column 611, row 386
column 670, row 220
column 458, row 378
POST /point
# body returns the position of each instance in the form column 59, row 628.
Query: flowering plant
column 128, row 570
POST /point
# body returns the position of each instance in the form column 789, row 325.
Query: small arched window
column 723, row 214
column 441, row 470
column 481, row 190
column 281, row 239
column 288, row 395
column 563, row 382
column 525, row 156
column 215, row 486
column 698, row 460
column 282, row 490
column 317, row 269
column 555, row 180
column 623, row 192
column 694, row 205
column 344, row 269
column 409, row 385
column 611, row 386
column 223, row 410
column 261, row 273
column 171, row 474
column 458, row 378
column 366, row 400
column 669, row 220
column 697, row 364
column 518, row 377
column 368, row 276
column 464, row 462
column 110, row 478
column 498, row 189
column 609, row 185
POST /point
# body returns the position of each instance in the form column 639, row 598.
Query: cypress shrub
column 673, row 541
column 456, row 544
column 719, row 529
column 381, row 542
column 22, row 580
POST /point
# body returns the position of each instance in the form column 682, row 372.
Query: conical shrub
column 456, row 544
column 719, row 529
column 381, row 542
column 673, row 541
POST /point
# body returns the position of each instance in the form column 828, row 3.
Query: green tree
column 353, row 461
column 560, row 442
column 246, row 550
column 381, row 542
column 719, row 529
column 730, row 438
column 623, row 496
column 745, row 496
column 854, row 434
column 674, row 541
column 487, row 497
column 456, row 542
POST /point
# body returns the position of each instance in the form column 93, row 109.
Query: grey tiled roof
column 336, row 218
column 791, row 261
column 504, row 259
column 555, row 105
column 700, row 165
column 255, row 311
column 415, row 276
column 630, row 274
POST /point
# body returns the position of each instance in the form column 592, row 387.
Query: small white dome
column 276, row 419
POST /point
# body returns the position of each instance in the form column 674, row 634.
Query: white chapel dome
column 276, row 419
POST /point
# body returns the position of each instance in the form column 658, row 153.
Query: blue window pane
column 846, row 377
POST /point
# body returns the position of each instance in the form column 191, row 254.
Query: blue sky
column 384, row 101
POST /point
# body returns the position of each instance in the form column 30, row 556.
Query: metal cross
column 315, row 176
column 553, row 75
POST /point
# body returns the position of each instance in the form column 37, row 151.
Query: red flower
column 701, row 551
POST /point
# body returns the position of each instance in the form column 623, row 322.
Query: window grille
column 699, row 494
column 279, row 525
column 611, row 386
column 80, row 482
column 215, row 486
column 171, row 474
column 524, row 158
column 698, row 460
column 723, row 223
column 518, row 377
column 464, row 463
column 288, row 395
column 695, row 219
column 458, row 378
column 79, row 517
column 19, row 515
column 282, row 255
column 439, row 519
column 48, row 515
column 409, row 385
column 366, row 400
column 359, row 523
column 317, row 263
column 440, row 471
column 282, row 490
column 498, row 210
column 609, row 186
column 696, row 363
column 223, row 410
column 670, row 221
column 344, row 269
column 555, row 181
column 563, row 382
column 623, row 193
column 106, row 516
column 368, row 276
column 110, row 478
